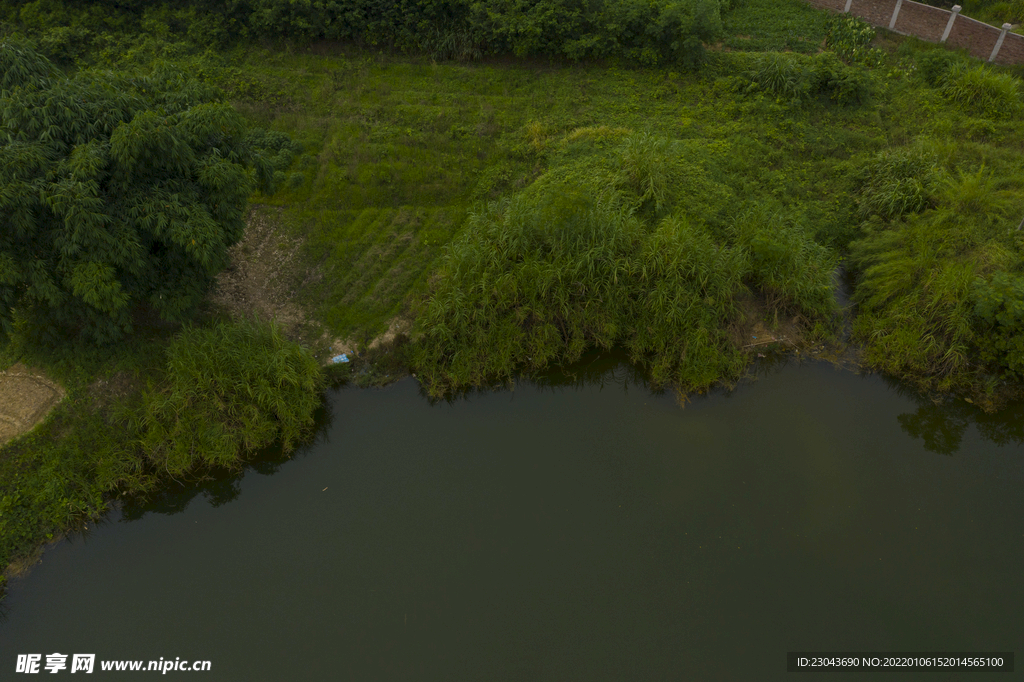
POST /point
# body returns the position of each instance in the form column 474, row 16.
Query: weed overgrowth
column 598, row 252
column 229, row 389
column 511, row 203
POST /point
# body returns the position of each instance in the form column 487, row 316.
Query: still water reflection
column 582, row 530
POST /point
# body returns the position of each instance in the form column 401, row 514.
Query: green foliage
column 896, row 182
column 934, row 65
column 915, row 317
column 120, row 191
column 923, row 313
column 999, row 303
column 539, row 279
column 652, row 32
column 983, row 90
column 842, row 84
column 651, row 167
column 275, row 149
column 781, row 75
column 785, row 264
column 774, row 26
column 230, row 388
column 642, row 31
column 579, row 259
column 796, row 79
column 58, row 475
column 849, row 37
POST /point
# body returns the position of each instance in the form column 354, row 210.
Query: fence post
column 949, row 24
column 895, row 13
column 999, row 43
column 847, row 9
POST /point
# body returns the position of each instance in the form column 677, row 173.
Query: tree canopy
column 116, row 191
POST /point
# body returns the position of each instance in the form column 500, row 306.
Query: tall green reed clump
column 792, row 271
column 981, row 90
column 594, row 255
column 930, row 292
column 799, row 79
column 230, row 388
column 896, row 182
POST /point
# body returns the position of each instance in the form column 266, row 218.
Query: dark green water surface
column 593, row 532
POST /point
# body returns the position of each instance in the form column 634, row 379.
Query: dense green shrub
column 781, row 74
column 539, row 279
column 922, row 313
column 656, row 32
column 88, row 177
column 230, row 388
column 842, row 84
column 643, row 31
column 786, row 265
column 118, row 191
column 999, row 303
column 895, row 182
column 982, row 90
column 798, row 78
column 933, row 65
column 276, row 150
column 650, row 168
column 600, row 252
column 849, row 37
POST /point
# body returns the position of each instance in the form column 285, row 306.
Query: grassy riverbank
column 692, row 205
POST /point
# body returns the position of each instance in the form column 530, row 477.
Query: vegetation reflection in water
column 939, row 425
column 578, row 518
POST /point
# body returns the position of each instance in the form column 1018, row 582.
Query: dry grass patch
column 26, row 397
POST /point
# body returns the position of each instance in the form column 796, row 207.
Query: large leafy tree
column 115, row 192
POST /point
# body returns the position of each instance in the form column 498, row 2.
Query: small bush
column 65, row 44
column 849, row 38
column 231, row 388
column 980, row 89
column 896, row 182
column 842, row 84
column 935, row 64
column 796, row 78
column 999, row 305
column 275, row 152
column 930, row 294
column 651, row 166
column 780, row 74
column 786, row 264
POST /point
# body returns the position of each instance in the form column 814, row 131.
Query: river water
column 583, row 531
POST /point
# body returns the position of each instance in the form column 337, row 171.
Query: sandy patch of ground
column 26, row 397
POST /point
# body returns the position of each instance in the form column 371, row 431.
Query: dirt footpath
column 26, row 396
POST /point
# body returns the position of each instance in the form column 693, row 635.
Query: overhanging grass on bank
column 212, row 395
column 632, row 246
